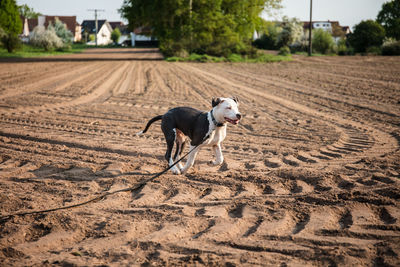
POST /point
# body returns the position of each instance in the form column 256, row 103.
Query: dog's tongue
column 232, row 121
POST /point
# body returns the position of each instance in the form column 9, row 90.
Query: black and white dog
column 203, row 128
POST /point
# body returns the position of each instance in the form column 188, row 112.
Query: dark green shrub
column 267, row 42
column 374, row 50
column 342, row 49
column 296, row 48
column 11, row 42
column 284, row 51
column 391, row 49
column 366, row 34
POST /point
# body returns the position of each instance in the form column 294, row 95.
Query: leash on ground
column 136, row 187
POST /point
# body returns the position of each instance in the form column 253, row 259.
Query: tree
column 62, row 31
column 389, row 18
column 115, row 35
column 292, row 31
column 269, row 37
column 46, row 38
column 366, row 34
column 56, row 36
column 216, row 27
column 322, row 41
column 11, row 23
column 28, row 12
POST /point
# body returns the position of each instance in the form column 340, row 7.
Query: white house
column 333, row 27
column 125, row 33
column 104, row 30
column 142, row 35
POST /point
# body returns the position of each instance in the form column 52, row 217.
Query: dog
column 202, row 128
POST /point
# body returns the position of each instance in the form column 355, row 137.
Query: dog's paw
column 217, row 162
column 175, row 171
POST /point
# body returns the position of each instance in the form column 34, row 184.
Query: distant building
column 143, row 36
column 332, row 27
column 70, row 22
column 104, row 30
column 125, row 33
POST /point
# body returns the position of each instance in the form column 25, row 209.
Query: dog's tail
column 156, row 118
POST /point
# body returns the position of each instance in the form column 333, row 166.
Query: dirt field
column 311, row 174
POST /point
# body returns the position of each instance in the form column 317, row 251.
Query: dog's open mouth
column 231, row 121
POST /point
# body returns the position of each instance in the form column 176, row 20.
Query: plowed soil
column 311, row 174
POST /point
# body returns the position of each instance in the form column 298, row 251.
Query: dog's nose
column 239, row 116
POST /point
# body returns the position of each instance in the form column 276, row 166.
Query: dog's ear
column 236, row 99
column 216, row 101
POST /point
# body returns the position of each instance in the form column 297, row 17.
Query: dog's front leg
column 219, row 158
column 191, row 158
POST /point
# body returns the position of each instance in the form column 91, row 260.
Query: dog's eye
column 228, row 107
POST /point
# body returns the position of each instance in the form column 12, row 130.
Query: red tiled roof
column 70, row 21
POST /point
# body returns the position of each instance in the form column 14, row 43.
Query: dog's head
column 226, row 110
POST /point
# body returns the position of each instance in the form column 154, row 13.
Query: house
column 70, row 22
column 143, row 36
column 332, row 27
column 104, row 30
column 125, row 33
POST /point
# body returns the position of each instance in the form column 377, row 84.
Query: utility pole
column 310, row 32
column 95, row 18
column 191, row 25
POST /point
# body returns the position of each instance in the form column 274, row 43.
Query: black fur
column 191, row 122
column 215, row 101
column 156, row 118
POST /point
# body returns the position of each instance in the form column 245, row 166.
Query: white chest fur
column 217, row 134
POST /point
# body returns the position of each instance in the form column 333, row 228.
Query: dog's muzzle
column 234, row 121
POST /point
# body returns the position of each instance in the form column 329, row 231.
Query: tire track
column 301, row 184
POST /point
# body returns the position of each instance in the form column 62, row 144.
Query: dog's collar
column 218, row 124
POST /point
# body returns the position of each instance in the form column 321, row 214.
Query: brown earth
column 311, row 174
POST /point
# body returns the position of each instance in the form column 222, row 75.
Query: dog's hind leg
column 180, row 145
column 191, row 158
column 170, row 137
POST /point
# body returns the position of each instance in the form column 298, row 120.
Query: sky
column 347, row 12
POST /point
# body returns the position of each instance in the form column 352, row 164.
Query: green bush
column 11, row 42
column 291, row 33
column 322, row 41
column 235, row 58
column 269, row 37
column 391, row 49
column 11, row 24
column 284, row 51
column 342, row 49
column 46, row 39
column 115, row 35
column 259, row 58
column 62, row 32
column 366, row 34
column 374, row 50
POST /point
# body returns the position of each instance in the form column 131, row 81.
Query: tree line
column 380, row 36
column 221, row 28
column 217, row 28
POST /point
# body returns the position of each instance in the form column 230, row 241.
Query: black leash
column 136, row 187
